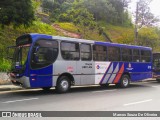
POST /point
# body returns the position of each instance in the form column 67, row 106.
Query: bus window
column 145, row 56
column 44, row 53
column 86, row 52
column 136, row 55
column 126, row 54
column 113, row 53
column 99, row 53
column 70, row 51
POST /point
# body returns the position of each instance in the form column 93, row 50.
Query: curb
column 10, row 88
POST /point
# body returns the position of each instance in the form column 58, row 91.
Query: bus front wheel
column 125, row 81
column 63, row 84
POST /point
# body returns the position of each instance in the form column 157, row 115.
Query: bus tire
column 63, row 84
column 46, row 88
column 125, row 81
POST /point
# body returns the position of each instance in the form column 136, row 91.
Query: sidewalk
column 9, row 87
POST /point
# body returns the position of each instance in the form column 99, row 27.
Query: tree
column 121, row 7
column 148, row 37
column 82, row 18
column 16, row 12
column 144, row 15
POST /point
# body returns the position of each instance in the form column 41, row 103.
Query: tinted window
column 113, row 53
column 44, row 53
column 86, row 52
column 136, row 55
column 145, row 56
column 126, row 54
column 70, row 51
column 99, row 53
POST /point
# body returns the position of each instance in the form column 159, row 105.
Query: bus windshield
column 20, row 57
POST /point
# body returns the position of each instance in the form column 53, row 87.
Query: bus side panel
column 65, row 67
column 41, row 77
column 140, row 71
column 112, row 72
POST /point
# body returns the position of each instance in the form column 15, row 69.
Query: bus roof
column 36, row 36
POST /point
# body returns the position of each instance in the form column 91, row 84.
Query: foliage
column 16, row 12
column 69, row 27
column 4, row 65
column 148, row 37
column 144, row 15
column 110, row 11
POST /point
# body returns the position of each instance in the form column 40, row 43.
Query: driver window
column 44, row 53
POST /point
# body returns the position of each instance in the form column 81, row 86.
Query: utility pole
column 136, row 25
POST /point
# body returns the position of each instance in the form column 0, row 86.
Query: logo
column 98, row 66
column 129, row 67
column 6, row 114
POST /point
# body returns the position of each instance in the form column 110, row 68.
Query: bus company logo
column 70, row 69
column 129, row 67
column 98, row 67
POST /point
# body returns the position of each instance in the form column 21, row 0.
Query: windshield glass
column 20, row 57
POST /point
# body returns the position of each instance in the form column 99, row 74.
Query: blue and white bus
column 44, row 61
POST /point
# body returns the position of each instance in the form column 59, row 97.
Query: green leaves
column 16, row 12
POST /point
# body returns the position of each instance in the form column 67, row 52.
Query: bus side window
column 126, row 54
column 99, row 53
column 113, row 53
column 136, row 55
column 70, row 51
column 145, row 56
column 86, row 52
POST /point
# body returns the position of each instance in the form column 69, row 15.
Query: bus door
column 85, row 67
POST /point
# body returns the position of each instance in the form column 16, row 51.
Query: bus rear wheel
column 125, row 81
column 63, row 84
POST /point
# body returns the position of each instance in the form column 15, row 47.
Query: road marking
column 104, row 91
column 20, row 100
column 137, row 102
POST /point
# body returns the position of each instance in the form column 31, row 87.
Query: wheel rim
column 64, row 84
column 125, row 81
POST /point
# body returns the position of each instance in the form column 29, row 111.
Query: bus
column 44, row 61
column 156, row 66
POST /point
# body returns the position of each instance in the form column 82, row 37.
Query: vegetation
column 16, row 12
column 91, row 19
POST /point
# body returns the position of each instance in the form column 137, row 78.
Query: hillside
column 118, row 34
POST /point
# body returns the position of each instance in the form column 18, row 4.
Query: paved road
column 142, row 96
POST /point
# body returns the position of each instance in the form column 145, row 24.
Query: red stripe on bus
column 119, row 74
